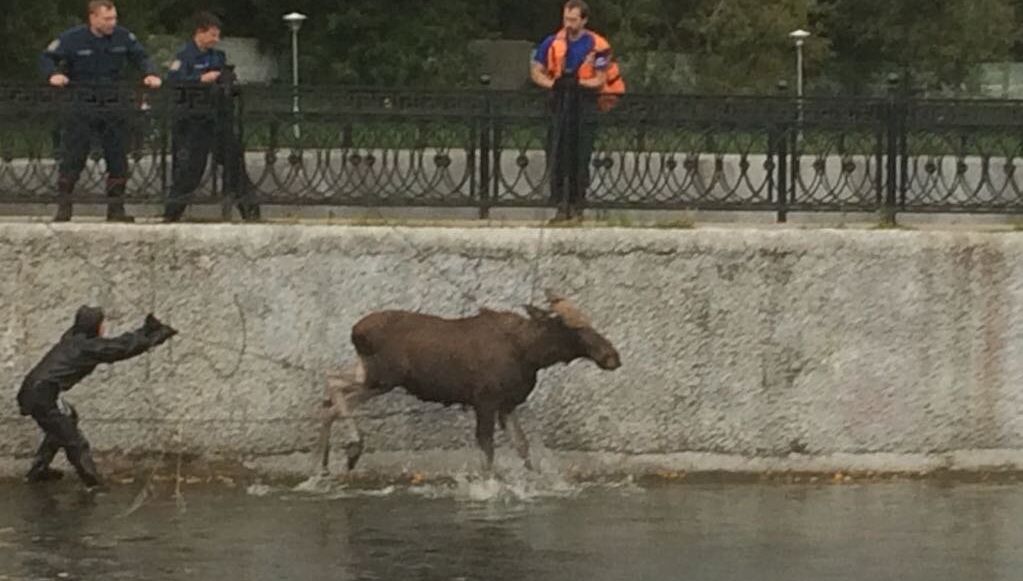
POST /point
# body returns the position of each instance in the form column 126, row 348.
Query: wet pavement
column 490, row 530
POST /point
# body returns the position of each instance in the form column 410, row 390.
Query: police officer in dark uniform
column 94, row 56
column 75, row 356
column 204, row 84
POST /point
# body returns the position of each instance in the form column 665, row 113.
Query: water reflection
column 908, row 531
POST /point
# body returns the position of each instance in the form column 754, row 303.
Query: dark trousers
column 561, row 164
column 59, row 423
column 570, row 142
column 77, row 133
column 195, row 138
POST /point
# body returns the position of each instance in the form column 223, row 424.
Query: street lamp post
column 799, row 36
column 295, row 20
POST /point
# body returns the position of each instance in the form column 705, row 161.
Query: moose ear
column 537, row 314
column 553, row 297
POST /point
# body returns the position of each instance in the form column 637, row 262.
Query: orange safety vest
column 614, row 86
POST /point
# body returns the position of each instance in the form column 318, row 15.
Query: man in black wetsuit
column 80, row 350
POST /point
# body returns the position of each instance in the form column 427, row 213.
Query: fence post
column 163, row 111
column 902, row 117
column 572, row 124
column 888, row 207
column 484, row 149
column 246, row 194
column 225, row 124
column 780, row 132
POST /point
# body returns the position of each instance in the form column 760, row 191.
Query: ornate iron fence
column 487, row 149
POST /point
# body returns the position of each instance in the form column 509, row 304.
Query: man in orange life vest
column 578, row 56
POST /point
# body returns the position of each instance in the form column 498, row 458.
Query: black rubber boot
column 79, row 454
column 40, row 470
column 115, row 208
column 43, row 475
column 63, row 213
column 65, row 186
column 172, row 213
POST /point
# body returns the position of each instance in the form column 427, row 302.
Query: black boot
column 79, row 454
column 87, row 471
column 115, row 208
column 116, row 213
column 173, row 213
column 65, row 186
column 40, row 470
column 247, row 202
column 63, row 213
column 250, row 212
column 43, row 475
column 561, row 216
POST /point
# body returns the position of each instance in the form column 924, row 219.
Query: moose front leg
column 510, row 423
column 340, row 386
column 485, row 436
column 321, row 454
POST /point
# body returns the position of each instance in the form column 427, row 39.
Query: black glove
column 162, row 334
column 156, row 330
column 152, row 324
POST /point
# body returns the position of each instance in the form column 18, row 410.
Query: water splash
column 513, row 487
column 315, row 484
column 510, row 488
column 258, row 490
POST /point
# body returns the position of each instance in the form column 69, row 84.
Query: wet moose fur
column 488, row 361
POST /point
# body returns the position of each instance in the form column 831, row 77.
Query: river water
column 494, row 530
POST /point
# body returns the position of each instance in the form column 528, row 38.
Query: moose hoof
column 353, row 451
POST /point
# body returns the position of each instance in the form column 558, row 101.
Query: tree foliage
column 704, row 45
column 936, row 43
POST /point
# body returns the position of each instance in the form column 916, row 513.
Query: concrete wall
column 874, row 350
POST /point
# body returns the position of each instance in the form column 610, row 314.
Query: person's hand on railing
column 59, row 80
column 152, row 82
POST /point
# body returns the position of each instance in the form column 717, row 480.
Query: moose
column 488, row 361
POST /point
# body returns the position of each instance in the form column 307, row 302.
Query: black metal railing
column 487, row 149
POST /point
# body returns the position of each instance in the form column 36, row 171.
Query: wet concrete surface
column 485, row 529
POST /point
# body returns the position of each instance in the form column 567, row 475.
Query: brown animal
column 488, row 361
